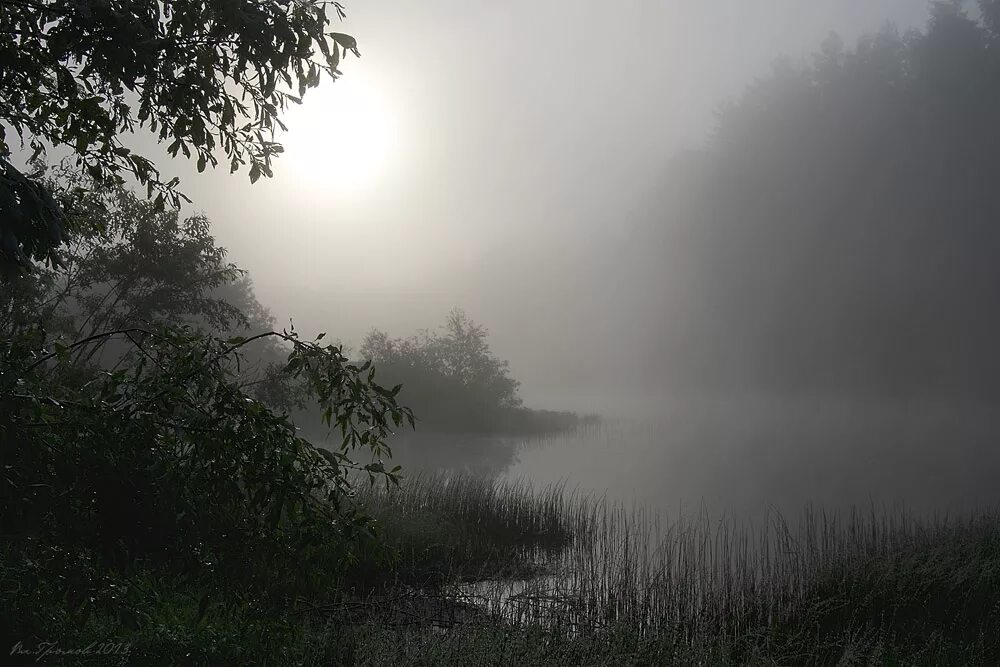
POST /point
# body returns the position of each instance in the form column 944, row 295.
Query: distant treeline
column 839, row 230
column 455, row 383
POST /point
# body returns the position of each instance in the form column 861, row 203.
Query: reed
column 601, row 567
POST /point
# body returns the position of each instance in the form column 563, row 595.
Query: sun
column 340, row 138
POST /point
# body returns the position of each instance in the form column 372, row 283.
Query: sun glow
column 340, row 138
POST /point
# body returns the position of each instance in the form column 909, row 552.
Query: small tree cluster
column 451, row 375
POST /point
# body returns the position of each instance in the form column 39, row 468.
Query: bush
column 168, row 463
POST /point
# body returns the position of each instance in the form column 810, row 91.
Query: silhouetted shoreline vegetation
column 470, row 569
column 454, row 382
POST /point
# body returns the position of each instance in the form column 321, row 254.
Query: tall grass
column 709, row 576
column 443, row 528
column 510, row 575
column 507, row 511
column 601, row 567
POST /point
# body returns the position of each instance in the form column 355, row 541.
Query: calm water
column 741, row 457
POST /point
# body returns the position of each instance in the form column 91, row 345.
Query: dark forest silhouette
column 838, row 231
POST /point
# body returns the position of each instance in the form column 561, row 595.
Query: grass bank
column 472, row 571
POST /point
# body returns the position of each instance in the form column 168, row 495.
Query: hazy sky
column 481, row 154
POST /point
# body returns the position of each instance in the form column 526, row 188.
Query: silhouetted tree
column 135, row 266
column 450, row 376
column 465, row 357
column 204, row 75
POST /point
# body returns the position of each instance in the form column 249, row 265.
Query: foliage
column 458, row 352
column 451, row 375
column 455, row 382
column 206, row 75
column 158, row 474
column 134, row 265
column 168, row 461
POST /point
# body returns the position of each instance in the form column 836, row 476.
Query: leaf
column 346, row 41
column 334, row 58
column 203, row 607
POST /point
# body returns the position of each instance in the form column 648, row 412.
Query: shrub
column 168, row 462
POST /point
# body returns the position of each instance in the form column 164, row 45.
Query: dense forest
column 836, row 233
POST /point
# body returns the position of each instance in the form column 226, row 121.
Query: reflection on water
column 476, row 454
column 741, row 457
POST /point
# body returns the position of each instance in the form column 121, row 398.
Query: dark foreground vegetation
column 469, row 571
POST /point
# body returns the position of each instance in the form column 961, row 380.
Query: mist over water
column 744, row 457
column 771, row 269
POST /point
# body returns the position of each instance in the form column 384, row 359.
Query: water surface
column 743, row 457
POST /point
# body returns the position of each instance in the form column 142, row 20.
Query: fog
column 527, row 143
column 767, row 228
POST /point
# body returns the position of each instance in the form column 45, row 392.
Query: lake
column 741, row 457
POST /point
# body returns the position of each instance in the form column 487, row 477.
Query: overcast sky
column 481, row 154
